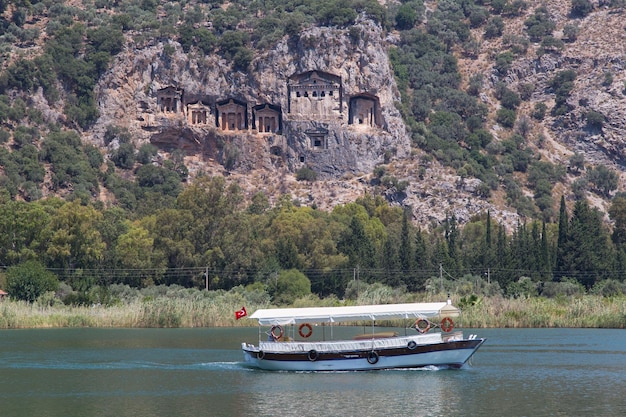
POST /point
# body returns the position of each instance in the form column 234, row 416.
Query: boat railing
column 450, row 337
column 349, row 345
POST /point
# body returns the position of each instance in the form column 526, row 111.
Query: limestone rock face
column 325, row 137
column 598, row 58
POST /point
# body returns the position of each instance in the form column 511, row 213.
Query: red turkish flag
column 241, row 313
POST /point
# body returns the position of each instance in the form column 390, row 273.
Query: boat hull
column 451, row 354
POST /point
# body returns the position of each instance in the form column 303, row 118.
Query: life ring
column 412, row 344
column 261, row 354
column 422, row 325
column 279, row 334
column 372, row 357
column 309, row 330
column 313, row 355
column 447, row 324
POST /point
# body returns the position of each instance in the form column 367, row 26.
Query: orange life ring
column 447, row 324
column 309, row 330
column 422, row 325
column 278, row 335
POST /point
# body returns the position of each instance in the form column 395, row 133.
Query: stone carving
column 267, row 118
column 364, row 109
column 319, row 137
column 232, row 115
column 198, row 113
column 169, row 99
column 315, row 93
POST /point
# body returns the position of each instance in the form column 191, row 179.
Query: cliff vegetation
column 232, row 143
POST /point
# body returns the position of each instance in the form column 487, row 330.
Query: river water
column 198, row 372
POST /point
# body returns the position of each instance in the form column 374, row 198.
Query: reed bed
column 581, row 311
column 190, row 308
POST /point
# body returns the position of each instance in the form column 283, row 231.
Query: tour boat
column 301, row 339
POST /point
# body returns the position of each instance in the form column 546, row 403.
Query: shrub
column 595, row 120
column 146, row 152
column 510, row 99
column 506, row 117
column 124, row 156
column 570, row 33
column 609, row 288
column 540, row 111
column 565, row 288
column 29, row 280
column 539, row 24
column 581, row 8
column 290, row 285
column 242, row 59
column 494, row 28
column 503, row 62
column 515, row 8
column 562, row 84
column 523, row 288
column 406, row 17
column 306, row 174
column 604, row 179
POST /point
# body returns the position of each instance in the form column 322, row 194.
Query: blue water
column 198, row 372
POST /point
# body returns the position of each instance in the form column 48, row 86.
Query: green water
column 198, row 372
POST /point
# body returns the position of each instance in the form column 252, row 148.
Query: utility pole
column 206, row 278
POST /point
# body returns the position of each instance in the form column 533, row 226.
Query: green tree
column 563, row 235
column 617, row 212
column 29, row 280
column 421, row 261
column 604, row 180
column 506, row 117
column 577, row 162
column 494, row 27
column 539, row 24
column 406, row 248
column 595, row 120
column 134, row 251
column 581, row 8
column 406, row 17
column 357, row 245
column 290, row 285
column 22, row 227
column 587, row 255
column 124, row 156
column 390, row 263
column 74, row 239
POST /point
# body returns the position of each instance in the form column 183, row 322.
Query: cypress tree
column 559, row 267
column 406, row 260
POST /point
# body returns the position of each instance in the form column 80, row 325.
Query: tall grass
column 179, row 307
column 580, row 311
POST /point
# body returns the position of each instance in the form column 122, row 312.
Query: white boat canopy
column 284, row 316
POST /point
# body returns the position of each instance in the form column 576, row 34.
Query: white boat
column 429, row 338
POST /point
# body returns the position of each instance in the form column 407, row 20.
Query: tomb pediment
column 313, row 78
column 232, row 115
column 169, row 99
column 267, row 118
column 198, row 113
column 315, row 94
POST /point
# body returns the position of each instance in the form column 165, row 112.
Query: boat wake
column 128, row 365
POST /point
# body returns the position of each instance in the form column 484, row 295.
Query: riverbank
column 586, row 311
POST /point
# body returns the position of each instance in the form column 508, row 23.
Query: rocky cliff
column 344, row 138
column 127, row 97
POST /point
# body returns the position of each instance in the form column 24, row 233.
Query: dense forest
column 207, row 236
column 159, row 228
